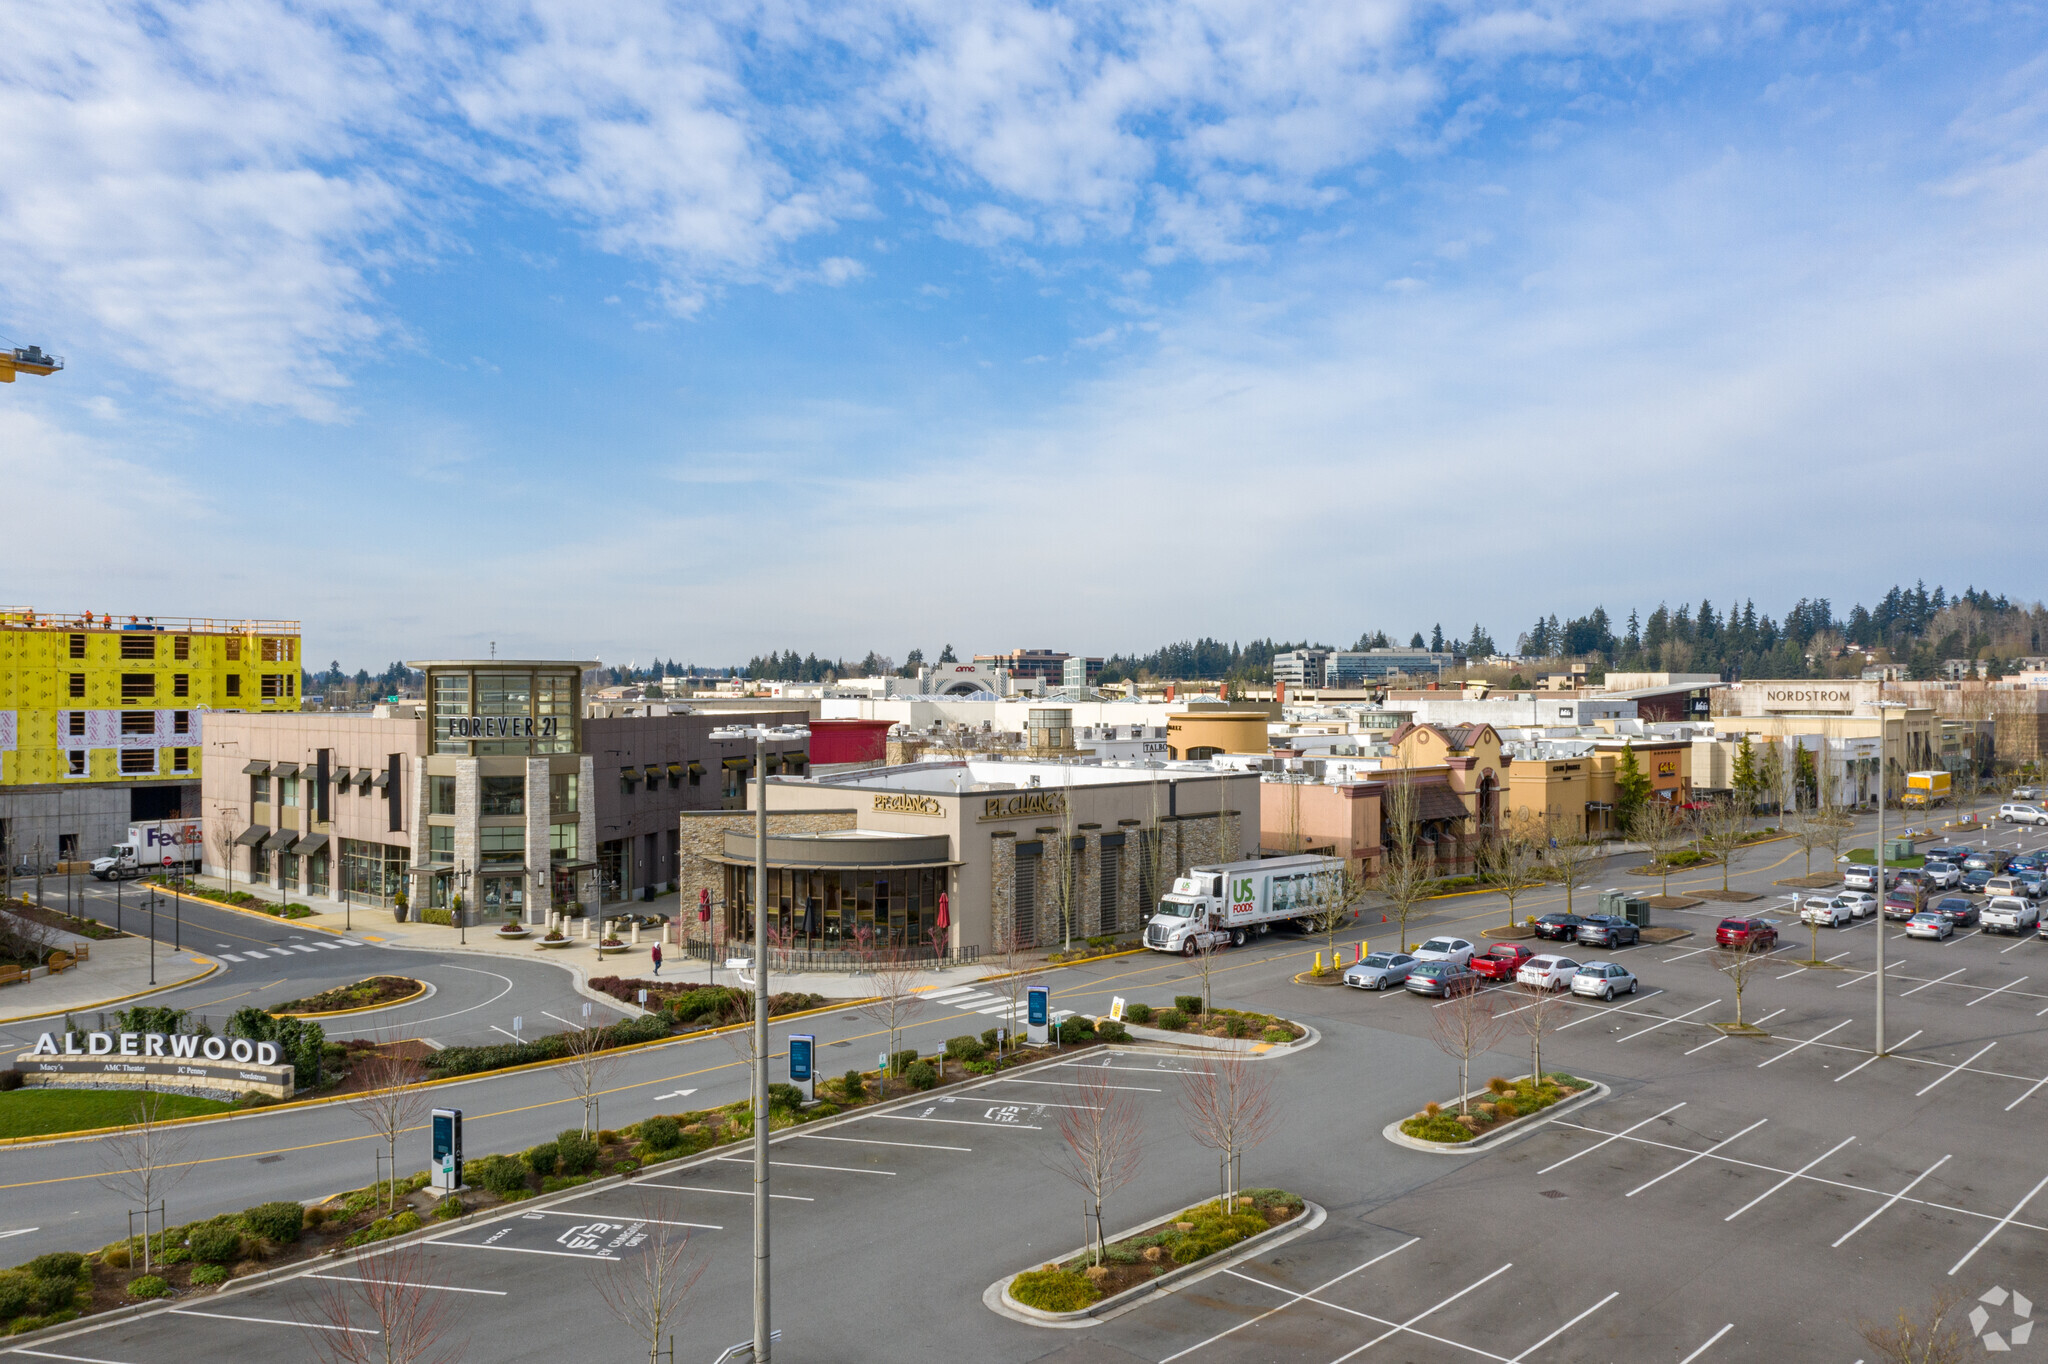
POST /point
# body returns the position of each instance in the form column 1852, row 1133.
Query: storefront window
column 502, row 795
column 451, row 701
column 440, row 843
column 287, row 871
column 373, row 873
column 441, row 795
column 316, row 874
column 259, row 866
column 562, row 842
column 562, row 793
column 501, row 844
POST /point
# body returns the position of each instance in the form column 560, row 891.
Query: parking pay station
column 802, row 1045
column 1037, row 1013
column 446, row 1171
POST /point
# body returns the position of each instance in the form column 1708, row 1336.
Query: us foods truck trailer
column 1232, row 902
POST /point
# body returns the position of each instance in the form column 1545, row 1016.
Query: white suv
column 2016, row 813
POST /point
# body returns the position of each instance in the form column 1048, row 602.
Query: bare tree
column 1539, row 1012
column 1462, row 1027
column 648, row 1295
column 589, row 1067
column 390, row 1312
column 1938, row 1338
column 1740, row 960
column 1509, row 860
column 893, row 1000
column 391, row 1104
column 1663, row 827
column 1228, row 1106
column 1571, row 854
column 1011, row 983
column 145, row 1160
column 227, row 828
column 1332, row 895
column 1207, row 942
column 1102, row 1145
column 1724, row 832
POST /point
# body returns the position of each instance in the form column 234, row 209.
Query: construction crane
column 29, row 360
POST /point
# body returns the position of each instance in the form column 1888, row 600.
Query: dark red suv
column 1746, row 932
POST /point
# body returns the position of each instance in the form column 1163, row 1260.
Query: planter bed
column 364, row 994
column 1730, row 897
column 1438, row 1126
column 1670, row 901
column 1660, row 936
column 1186, row 1016
column 1074, row 1286
column 1507, row 933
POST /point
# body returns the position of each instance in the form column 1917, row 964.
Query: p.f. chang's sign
column 1023, row 804
column 909, row 805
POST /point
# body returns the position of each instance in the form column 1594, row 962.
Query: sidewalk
column 117, row 973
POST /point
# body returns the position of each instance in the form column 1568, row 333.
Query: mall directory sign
column 1037, row 1013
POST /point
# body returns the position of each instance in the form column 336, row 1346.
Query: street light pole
column 762, row 1343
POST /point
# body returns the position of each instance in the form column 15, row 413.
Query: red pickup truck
column 1501, row 961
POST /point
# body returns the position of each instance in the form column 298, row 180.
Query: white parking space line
column 2028, row 1095
column 1693, row 953
column 1061, row 1084
column 1789, row 974
column 275, row 1321
column 1971, row 934
column 1142, row 1070
column 1384, row 1335
column 2001, row 1225
column 1699, row 1155
column 1888, row 1202
column 1566, row 1327
column 1712, row 1003
column 1598, row 1010
column 877, row 1141
column 1936, row 981
column 1377, row 1321
column 402, row 1283
column 52, row 1354
column 1956, row 1067
column 1710, row 1342
column 1616, row 1137
column 1837, row 957
column 799, row 1165
column 962, row 1122
column 1788, row 1179
column 1292, row 1299
column 1981, row 998
column 736, row 1193
column 651, row 1221
column 515, row 1250
column 2021, row 943
column 1807, row 1043
column 1874, row 1056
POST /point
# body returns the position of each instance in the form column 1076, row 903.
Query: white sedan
column 1446, row 949
column 1837, row 911
column 1547, row 973
column 1942, row 875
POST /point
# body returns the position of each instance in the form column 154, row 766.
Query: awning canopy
column 383, row 781
column 311, row 844
column 285, row 770
column 252, row 835
column 1434, row 801
column 675, row 769
column 341, row 776
column 696, row 768
column 653, row 773
column 629, row 774
column 256, row 768
column 280, row 840
column 741, row 763
column 364, row 778
column 581, row 864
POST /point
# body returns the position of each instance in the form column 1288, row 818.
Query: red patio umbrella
column 945, row 912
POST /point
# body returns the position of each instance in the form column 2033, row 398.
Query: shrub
column 1506, row 1108
column 575, row 1154
column 965, row 1048
column 150, row 1286
column 1235, row 1026
column 661, row 1132
column 989, row 1037
column 449, row 1208
column 216, row 1243
column 852, row 1086
column 502, row 1175
column 607, row 1137
column 1497, row 1085
column 1076, row 1030
column 543, row 1158
column 1054, row 1290
column 437, row 916
column 57, row 1264
column 1109, row 1030
column 115, row 1257
column 1173, row 1020
column 281, row 1221
column 1188, row 1004
column 1138, row 1013
column 14, row 1294
column 210, row 1274
column 921, row 1075
column 176, row 1255
column 1278, row 1036
column 1214, row 1229
column 404, row 1222
column 785, row 1096
column 10, row 1079
column 902, row 1061
column 1437, row 1127
column 317, row 1217
column 1431, row 1109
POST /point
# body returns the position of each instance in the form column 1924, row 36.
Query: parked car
column 1862, row 876
column 1837, row 911
column 1904, row 904
column 1865, row 902
column 1502, row 960
column 1378, row 970
column 1547, row 973
column 2026, row 793
column 1441, row 978
column 1975, row 879
column 2010, row 914
column 1608, row 930
column 1558, row 927
column 1952, row 852
column 2033, row 884
column 2030, row 861
column 1446, row 949
column 1942, row 875
column 1736, row 932
column 2019, row 812
column 1992, row 860
column 2007, row 883
column 1932, row 924
column 1603, row 979
column 1959, row 910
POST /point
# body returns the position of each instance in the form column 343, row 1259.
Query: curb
column 426, row 990
column 211, row 967
column 996, row 1297
column 1249, row 1048
column 239, row 909
column 1393, row 1133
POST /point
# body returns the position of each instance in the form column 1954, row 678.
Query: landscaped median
column 1494, row 1114
column 1078, row 1291
column 377, row 992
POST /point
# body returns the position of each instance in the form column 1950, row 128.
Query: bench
column 12, row 975
column 60, row 962
column 83, row 951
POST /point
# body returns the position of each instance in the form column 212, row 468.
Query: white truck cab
column 1228, row 904
column 119, row 863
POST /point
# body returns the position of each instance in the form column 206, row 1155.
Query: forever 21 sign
column 500, row 727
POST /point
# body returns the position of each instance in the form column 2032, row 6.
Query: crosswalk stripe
column 950, row 991
column 332, row 945
column 969, row 1001
column 297, row 948
column 227, row 956
column 348, row 942
column 998, row 1009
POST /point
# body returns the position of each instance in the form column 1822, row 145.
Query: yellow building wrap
column 105, row 698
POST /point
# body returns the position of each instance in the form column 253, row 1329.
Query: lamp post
column 1883, row 720
column 461, row 879
column 152, row 936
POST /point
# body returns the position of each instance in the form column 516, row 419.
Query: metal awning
column 341, row 776
column 675, row 769
column 629, row 774
column 696, row 768
column 738, row 762
column 501, row 869
column 653, row 773
column 256, row 768
column 252, row 835
column 383, row 781
column 280, row 840
column 1436, row 801
column 364, row 778
column 285, row 770
column 581, row 864
column 311, row 844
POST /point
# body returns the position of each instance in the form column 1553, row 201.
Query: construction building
column 101, row 719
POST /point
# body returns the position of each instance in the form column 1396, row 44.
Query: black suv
column 1559, row 927
column 1608, row 931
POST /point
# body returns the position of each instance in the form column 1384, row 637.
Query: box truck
column 148, row 844
column 1925, row 789
column 1230, row 903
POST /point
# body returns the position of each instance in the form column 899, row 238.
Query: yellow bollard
column 1319, row 964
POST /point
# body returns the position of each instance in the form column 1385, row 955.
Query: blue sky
column 703, row 330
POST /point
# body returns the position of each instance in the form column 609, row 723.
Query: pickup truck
column 1502, row 960
column 2010, row 914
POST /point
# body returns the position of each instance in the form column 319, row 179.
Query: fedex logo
column 174, row 838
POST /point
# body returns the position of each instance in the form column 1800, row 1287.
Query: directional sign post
column 1037, row 1013
column 801, row 1047
column 518, row 1026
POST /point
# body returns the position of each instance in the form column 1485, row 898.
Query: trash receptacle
column 1637, row 910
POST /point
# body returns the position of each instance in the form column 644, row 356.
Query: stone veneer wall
column 702, row 840
column 539, row 882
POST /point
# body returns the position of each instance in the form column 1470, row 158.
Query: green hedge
column 470, row 1060
column 1054, row 1290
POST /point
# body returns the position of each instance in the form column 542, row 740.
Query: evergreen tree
column 946, row 655
column 1631, row 788
column 1436, row 638
column 1746, row 780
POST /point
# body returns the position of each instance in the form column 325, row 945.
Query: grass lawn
column 39, row 1112
column 1866, row 857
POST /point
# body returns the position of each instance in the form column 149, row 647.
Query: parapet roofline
column 514, row 664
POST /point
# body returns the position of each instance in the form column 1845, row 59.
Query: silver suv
column 2014, row 812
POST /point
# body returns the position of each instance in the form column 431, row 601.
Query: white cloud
column 838, row 270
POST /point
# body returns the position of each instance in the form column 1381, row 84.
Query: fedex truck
column 148, row 844
column 1232, row 902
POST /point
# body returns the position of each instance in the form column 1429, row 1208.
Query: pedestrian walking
column 657, row 959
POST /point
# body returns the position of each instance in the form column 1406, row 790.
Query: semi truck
column 1230, row 903
column 1925, row 790
column 148, row 844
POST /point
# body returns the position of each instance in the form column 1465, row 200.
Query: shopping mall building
column 502, row 787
